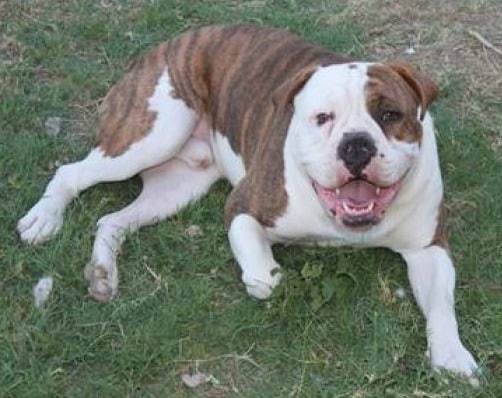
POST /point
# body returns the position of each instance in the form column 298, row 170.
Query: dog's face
column 356, row 134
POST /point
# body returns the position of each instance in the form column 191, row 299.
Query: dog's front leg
column 432, row 277
column 253, row 252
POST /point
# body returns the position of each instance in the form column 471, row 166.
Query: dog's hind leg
column 140, row 129
column 166, row 189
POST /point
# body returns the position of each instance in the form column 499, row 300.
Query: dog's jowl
column 319, row 148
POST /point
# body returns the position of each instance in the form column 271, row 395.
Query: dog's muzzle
column 360, row 201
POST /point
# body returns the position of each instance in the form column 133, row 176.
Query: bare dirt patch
column 444, row 38
column 10, row 49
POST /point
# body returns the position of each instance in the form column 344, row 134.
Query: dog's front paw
column 40, row 223
column 454, row 357
column 261, row 285
column 102, row 285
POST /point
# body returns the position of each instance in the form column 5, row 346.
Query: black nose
column 356, row 151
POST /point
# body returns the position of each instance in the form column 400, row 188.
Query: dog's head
column 356, row 133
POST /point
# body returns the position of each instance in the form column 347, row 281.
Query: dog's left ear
column 422, row 85
column 285, row 93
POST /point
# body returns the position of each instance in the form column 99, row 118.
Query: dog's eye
column 390, row 116
column 323, row 118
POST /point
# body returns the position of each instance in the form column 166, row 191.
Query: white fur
column 166, row 189
column 260, row 272
column 228, row 162
column 410, row 221
column 196, row 153
column 309, row 156
column 339, row 90
column 172, row 127
column 178, row 164
column 432, row 277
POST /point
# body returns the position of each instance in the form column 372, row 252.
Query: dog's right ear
column 424, row 87
column 283, row 96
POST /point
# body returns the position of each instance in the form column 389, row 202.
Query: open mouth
column 358, row 203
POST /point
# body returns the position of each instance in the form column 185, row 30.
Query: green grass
column 331, row 330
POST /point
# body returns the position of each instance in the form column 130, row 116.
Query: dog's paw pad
column 101, row 287
column 39, row 225
column 93, row 271
column 101, row 290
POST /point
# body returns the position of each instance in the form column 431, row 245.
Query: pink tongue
column 358, row 192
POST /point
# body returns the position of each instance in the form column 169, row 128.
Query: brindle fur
column 228, row 74
column 242, row 79
column 388, row 89
column 440, row 237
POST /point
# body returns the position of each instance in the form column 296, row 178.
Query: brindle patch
column 235, row 77
column 239, row 77
column 230, row 75
column 125, row 117
column 392, row 104
column 440, row 238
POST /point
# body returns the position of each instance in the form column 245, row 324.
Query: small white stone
column 193, row 231
column 194, row 380
column 53, row 125
column 42, row 290
column 410, row 50
column 400, row 293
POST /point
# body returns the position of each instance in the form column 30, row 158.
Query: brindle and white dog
column 319, row 149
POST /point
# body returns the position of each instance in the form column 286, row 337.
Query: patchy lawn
column 335, row 327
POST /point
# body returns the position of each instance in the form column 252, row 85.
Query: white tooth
column 378, row 191
column 358, row 211
column 337, row 191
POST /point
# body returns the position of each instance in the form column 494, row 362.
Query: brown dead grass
column 438, row 30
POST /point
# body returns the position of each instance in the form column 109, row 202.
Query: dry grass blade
column 483, row 41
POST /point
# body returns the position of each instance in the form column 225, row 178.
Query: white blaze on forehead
column 340, row 85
